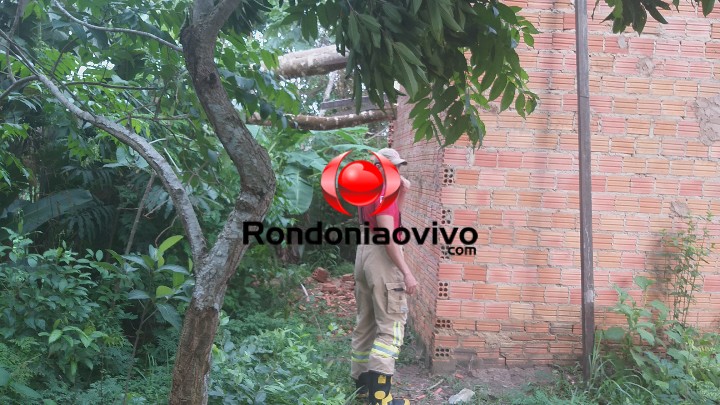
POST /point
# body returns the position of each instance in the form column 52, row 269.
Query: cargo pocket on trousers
column 397, row 299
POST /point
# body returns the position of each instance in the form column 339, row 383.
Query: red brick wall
column 421, row 207
column 655, row 155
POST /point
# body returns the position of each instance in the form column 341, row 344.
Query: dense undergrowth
column 80, row 330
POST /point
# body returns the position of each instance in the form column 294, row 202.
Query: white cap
column 392, row 155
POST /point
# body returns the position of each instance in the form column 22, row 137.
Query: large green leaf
column 25, row 391
column 643, row 282
column 647, row 336
column 4, row 377
column 138, row 295
column 163, row 291
column 306, row 159
column 707, row 6
column 55, row 335
column 300, row 193
column 54, row 206
column 168, row 243
column 615, row 333
column 170, row 314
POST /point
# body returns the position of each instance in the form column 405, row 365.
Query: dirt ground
column 414, row 381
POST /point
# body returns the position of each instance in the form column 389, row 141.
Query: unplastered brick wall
column 421, row 207
column 655, row 102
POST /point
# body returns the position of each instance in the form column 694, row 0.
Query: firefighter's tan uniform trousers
column 381, row 312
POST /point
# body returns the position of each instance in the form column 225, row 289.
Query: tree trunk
column 192, row 363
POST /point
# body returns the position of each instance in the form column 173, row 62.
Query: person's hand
column 410, row 283
column 405, row 182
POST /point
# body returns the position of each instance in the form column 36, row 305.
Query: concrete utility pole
column 587, row 283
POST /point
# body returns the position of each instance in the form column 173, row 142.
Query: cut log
column 316, row 61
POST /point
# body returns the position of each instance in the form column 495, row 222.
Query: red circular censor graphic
column 360, row 183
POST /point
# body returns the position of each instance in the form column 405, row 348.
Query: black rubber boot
column 380, row 385
column 361, row 388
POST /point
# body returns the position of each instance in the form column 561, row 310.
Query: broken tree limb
column 315, row 123
column 311, row 62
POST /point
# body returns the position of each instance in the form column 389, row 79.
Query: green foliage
column 49, row 295
column 298, row 159
column 158, row 285
column 544, row 396
column 262, row 284
column 66, row 320
column 272, row 345
column 12, row 170
column 661, row 359
column 17, row 371
column 281, row 366
column 634, row 13
column 423, row 45
column 37, row 213
column 264, row 351
column 152, row 387
column 687, row 251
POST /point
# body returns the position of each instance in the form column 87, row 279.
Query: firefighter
column 382, row 282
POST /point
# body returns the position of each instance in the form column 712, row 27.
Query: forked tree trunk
column 192, row 364
column 213, row 268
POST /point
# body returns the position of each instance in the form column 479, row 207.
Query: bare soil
column 415, row 382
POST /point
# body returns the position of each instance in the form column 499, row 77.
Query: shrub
column 659, row 358
column 280, row 367
column 66, row 319
column 49, row 295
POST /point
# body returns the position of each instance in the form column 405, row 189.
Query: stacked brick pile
column 655, row 102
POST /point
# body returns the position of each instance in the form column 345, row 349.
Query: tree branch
column 332, row 77
column 201, row 8
column 315, row 123
column 310, row 62
column 249, row 158
column 160, row 165
column 19, row 11
column 221, row 13
column 110, row 86
column 17, row 84
column 154, row 118
column 125, row 30
column 11, row 76
column 139, row 213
